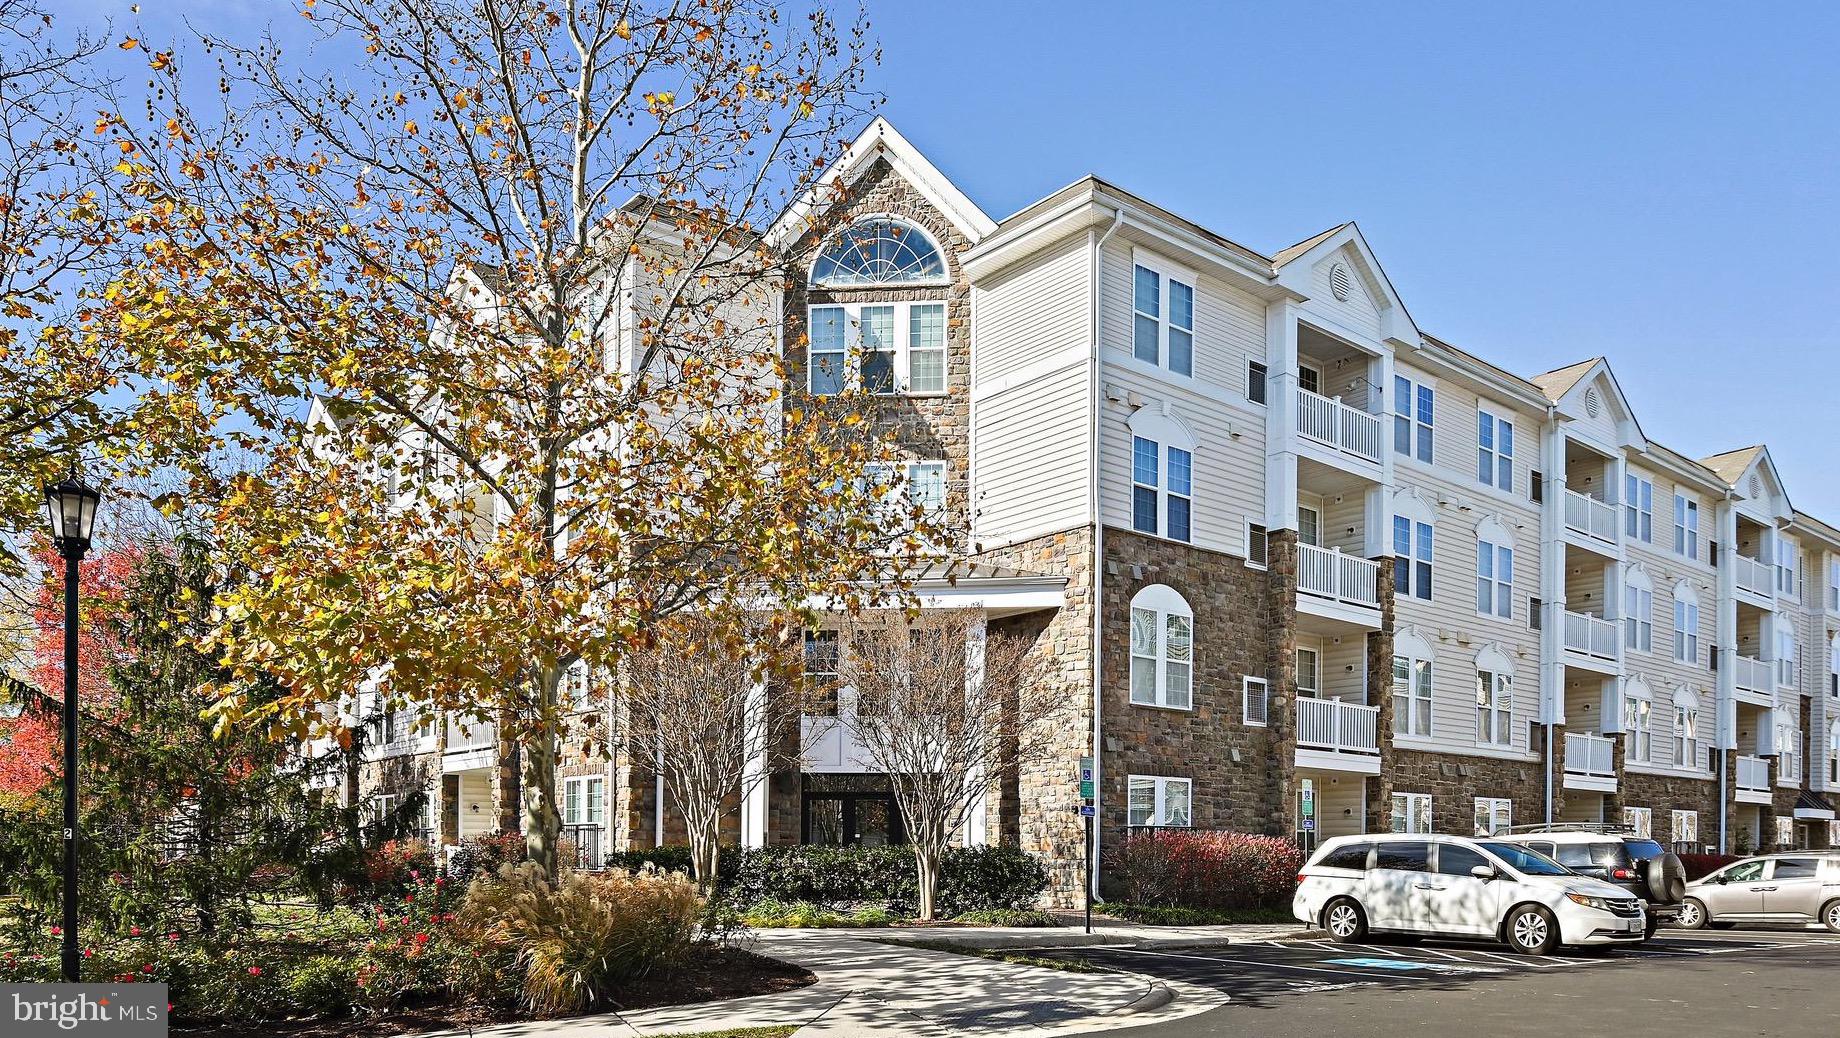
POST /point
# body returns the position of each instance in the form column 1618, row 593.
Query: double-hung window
column 1686, row 737
column 1411, row 558
column 1638, row 618
column 922, row 489
column 1684, row 827
column 1411, row 696
column 899, row 347
column 1414, row 411
column 1494, row 815
column 583, row 800
column 1163, row 320
column 1686, row 629
column 1639, row 729
column 1411, row 813
column 1158, row 505
column 1686, row 526
column 1157, row 801
column 1788, row 659
column 1162, row 649
column 1639, row 508
column 1494, row 580
column 1641, row 821
column 1494, row 708
column 1494, row 450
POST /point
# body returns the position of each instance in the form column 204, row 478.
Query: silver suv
column 1793, row 887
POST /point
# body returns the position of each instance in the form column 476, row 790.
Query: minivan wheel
column 1830, row 915
column 1531, row 930
column 1344, row 920
column 1692, row 915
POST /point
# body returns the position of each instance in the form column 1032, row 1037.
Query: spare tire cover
column 1666, row 878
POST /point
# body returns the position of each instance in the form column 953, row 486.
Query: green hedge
column 972, row 879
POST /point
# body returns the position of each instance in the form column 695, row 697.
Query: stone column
column 1379, row 793
column 1281, row 664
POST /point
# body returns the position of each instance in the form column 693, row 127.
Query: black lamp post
column 73, row 518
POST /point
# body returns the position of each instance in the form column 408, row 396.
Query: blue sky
column 1655, row 182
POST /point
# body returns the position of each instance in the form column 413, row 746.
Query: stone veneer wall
column 1455, row 781
column 1240, row 772
column 1036, row 808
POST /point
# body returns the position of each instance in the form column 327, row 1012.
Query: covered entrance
column 851, row 820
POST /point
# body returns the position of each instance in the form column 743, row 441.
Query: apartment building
column 1301, row 567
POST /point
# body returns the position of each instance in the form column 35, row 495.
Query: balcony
column 1329, row 724
column 1754, row 780
column 1592, row 518
column 1753, row 576
column 1753, row 676
column 1593, row 636
column 1328, row 573
column 1338, row 426
column 1590, row 762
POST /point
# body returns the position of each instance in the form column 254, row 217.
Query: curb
column 1158, row 996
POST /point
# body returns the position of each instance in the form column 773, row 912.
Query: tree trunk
column 926, row 862
column 542, row 823
column 705, row 851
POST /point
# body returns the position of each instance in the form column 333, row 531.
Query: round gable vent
column 1592, row 404
column 1338, row 282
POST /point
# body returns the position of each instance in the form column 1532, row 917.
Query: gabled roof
column 1286, row 255
column 1558, row 382
column 880, row 140
column 1732, row 465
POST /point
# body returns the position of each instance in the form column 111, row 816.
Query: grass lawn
column 1014, row 958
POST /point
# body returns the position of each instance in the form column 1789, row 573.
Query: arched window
column 1412, row 657
column 1686, row 623
column 1494, row 569
column 1494, row 697
column 879, row 250
column 1162, row 474
column 1162, row 648
column 1686, row 730
column 1638, row 721
column 1638, row 610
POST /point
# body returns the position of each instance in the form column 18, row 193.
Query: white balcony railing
column 1328, row 573
column 1592, row 635
column 1335, row 424
column 1334, row 725
column 1752, row 675
column 1753, row 773
column 1587, row 754
column 470, row 735
column 1591, row 517
column 1753, row 576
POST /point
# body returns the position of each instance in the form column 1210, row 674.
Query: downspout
column 1724, row 665
column 1552, row 418
column 1092, row 505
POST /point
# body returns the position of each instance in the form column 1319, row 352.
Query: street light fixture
column 72, row 505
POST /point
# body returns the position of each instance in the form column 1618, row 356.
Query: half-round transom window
column 879, row 251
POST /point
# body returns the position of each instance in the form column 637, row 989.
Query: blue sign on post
column 1086, row 810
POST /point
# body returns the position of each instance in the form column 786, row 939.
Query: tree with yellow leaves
column 494, row 315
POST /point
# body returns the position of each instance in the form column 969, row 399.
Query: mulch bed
column 709, row 975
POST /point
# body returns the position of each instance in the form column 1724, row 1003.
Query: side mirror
column 1482, row 872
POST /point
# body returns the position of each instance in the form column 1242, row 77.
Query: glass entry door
column 852, row 820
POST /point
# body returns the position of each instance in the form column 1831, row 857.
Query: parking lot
column 1738, row 983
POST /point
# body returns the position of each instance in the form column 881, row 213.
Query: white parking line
column 1377, row 948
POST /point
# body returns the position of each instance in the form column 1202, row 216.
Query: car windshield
column 1526, row 861
column 1643, row 850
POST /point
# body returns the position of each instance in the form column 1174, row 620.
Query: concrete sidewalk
column 869, row 987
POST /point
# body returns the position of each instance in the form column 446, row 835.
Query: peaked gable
column 880, row 140
column 1342, row 281
column 1751, row 474
column 1588, row 393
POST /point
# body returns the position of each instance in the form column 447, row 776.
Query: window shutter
column 1536, row 486
column 1255, row 382
column 1534, row 608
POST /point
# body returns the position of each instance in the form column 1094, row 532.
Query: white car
column 1455, row 886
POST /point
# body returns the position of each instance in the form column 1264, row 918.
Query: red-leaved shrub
column 1698, row 865
column 1198, row 869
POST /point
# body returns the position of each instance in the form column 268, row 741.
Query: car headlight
column 1590, row 902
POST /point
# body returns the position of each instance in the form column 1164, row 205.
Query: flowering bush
column 1197, row 869
column 395, row 865
column 579, row 940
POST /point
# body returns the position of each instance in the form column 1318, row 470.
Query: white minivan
column 1416, row 883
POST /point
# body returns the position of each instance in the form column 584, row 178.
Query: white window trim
column 1638, row 615
column 1410, row 695
column 1500, row 813
column 1642, row 820
column 1687, row 753
column 578, row 787
column 1683, row 826
column 1639, row 727
column 1246, row 687
column 1163, row 602
column 1686, row 546
column 1418, row 533
column 1419, row 429
column 1633, row 510
column 1264, row 535
column 1499, row 710
column 1500, row 591
column 1495, row 454
column 1686, row 628
column 1416, row 817
column 1165, row 273
column 1159, row 814
column 903, row 349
